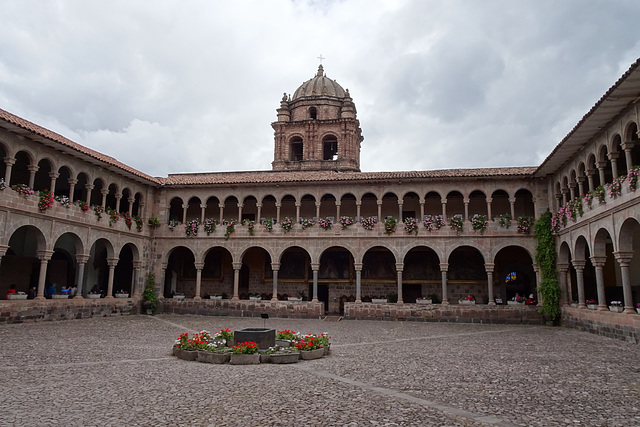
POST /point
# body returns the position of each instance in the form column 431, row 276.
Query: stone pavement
column 118, row 371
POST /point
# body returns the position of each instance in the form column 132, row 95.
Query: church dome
column 319, row 86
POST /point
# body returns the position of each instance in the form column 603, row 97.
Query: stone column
column 598, row 263
column 203, row 208
column 118, row 198
column 82, row 261
column 111, row 262
column 601, row 166
column 489, row 214
column 275, row 266
column 297, row 204
column 137, row 266
column 240, row 206
column 613, row 158
column 590, row 173
column 572, row 190
column 400, row 203
column 565, row 196
column 338, row 204
column 379, row 202
column 466, row 209
column 581, row 185
column 512, row 205
column 52, row 185
column 627, row 146
column 160, row 289
column 131, row 201
column 536, row 270
column 358, row 267
column 72, row 187
column 184, row 213
column 444, row 209
column 278, row 207
column 579, row 264
column 318, row 210
column 9, row 162
column 259, row 215
column 489, row 269
column 221, row 207
column 624, row 259
column 358, row 204
column 444, row 267
column 44, row 257
column 104, row 193
column 199, row 266
column 421, row 211
column 236, row 279
column 399, row 269
column 32, row 174
column 563, row 268
column 88, row 187
column 315, row 266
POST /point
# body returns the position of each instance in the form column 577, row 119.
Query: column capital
column 315, row 266
column 236, row 265
column 112, row 262
column 91, row 187
column 578, row 264
column 275, row 266
column 338, row 203
column 185, row 206
column 9, row 161
column 54, row 175
column 443, row 201
column 357, row 266
column 45, row 255
column 444, row 267
column 623, row 257
column 598, row 261
column 33, row 168
column 82, row 258
column 3, row 250
column 200, row 265
column 488, row 267
column 399, row 267
column 563, row 267
column 104, row 192
column 137, row 265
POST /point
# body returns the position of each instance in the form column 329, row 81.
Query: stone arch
column 20, row 265
column 631, row 137
column 96, row 270
column 230, row 212
column 42, row 179
column 80, row 190
column 250, row 208
column 500, row 204
column 330, row 147
column 112, row 197
column 582, row 255
column 348, row 206
column 308, row 206
column 466, row 274
column 336, row 278
column 603, row 158
column 124, row 273
column 213, row 208
column 618, row 153
column 124, row 201
column 477, row 203
column 96, row 193
column 63, row 266
column 369, row 205
column 288, row 207
column 603, row 249
column 256, row 274
column 138, row 200
column 193, row 210
column 421, row 277
column 4, row 153
column 524, row 205
column 455, row 204
column 62, row 186
column 180, row 272
column 513, row 273
column 389, row 206
column 410, row 206
column 433, row 203
column 294, row 274
column 175, row 209
column 379, row 273
column 583, row 183
column 20, row 171
column 269, row 209
column 296, row 149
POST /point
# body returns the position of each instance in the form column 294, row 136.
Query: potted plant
column 411, row 226
column 185, row 348
column 379, row 300
column 122, row 294
column 149, row 297
column 310, row 347
column 283, row 355
column 225, row 335
column 455, row 223
column 390, row 226
column 592, row 304
column 469, row 300
column 423, row 300
column 616, row 306
column 285, row 337
column 479, row 223
column 433, row 222
column 300, row 296
column 245, row 353
column 574, row 304
column 178, row 295
column 153, row 221
column 255, row 297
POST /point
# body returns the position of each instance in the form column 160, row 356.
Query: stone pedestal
column 264, row 337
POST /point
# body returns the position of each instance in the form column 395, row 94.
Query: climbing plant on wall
column 549, row 287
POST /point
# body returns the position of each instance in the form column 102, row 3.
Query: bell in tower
column 317, row 128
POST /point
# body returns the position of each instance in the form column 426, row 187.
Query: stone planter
column 327, row 350
column 17, row 296
column 294, row 298
column 215, row 297
column 213, row 357
column 283, row 358
column 616, row 308
column 423, row 301
column 312, row 354
column 574, row 304
column 93, row 296
column 514, row 303
column 255, row 298
column 466, row 302
column 178, row 297
column 592, row 306
column 185, row 355
column 379, row 300
column 638, row 310
column 122, row 295
column 245, row 359
column 265, row 358
column 60, row 296
column 283, row 343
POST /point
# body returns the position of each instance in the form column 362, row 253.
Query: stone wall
column 477, row 313
column 65, row 309
column 605, row 323
column 241, row 308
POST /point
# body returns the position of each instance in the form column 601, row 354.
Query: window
column 330, row 148
column 296, row 149
column 313, row 113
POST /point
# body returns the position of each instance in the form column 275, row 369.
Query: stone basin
column 264, row 337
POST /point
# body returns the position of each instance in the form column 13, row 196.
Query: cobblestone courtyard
column 118, row 371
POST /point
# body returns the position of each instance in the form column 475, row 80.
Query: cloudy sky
column 191, row 86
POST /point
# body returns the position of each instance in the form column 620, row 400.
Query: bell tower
column 317, row 128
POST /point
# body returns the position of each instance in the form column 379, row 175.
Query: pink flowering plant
column 306, row 223
column 455, row 223
column 46, row 200
column 128, row 220
column 268, row 223
column 231, row 227
column 411, row 226
column 433, row 222
column 524, row 224
column 191, row 227
column 139, row 222
column 209, row 225
column 250, row 225
column 504, row 220
column 615, row 188
column 369, row 222
column 325, row 223
column 479, row 223
column 114, row 216
column 286, row 224
column 346, row 221
column 23, row 190
column 98, row 211
column 632, row 177
column 390, row 226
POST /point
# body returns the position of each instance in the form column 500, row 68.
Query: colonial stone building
column 315, row 225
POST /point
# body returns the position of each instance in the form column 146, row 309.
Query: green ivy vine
column 546, row 256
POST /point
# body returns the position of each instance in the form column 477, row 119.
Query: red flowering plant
column 223, row 335
column 288, row 334
column 184, row 343
column 46, row 200
column 84, row 206
column 127, row 219
column 247, row 347
column 308, row 343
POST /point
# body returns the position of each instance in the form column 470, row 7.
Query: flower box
column 638, row 310
column 312, row 354
column 514, row 303
column 423, row 301
column 379, row 300
column 283, row 343
column 283, row 358
column 574, row 304
column 122, row 295
column 185, row 354
column 213, row 357
column 215, row 297
column 178, row 297
column 466, row 302
column 245, row 359
column 592, row 306
column 93, row 296
column 60, row 296
column 294, row 298
column 255, row 298
column 17, row 296
column 616, row 308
